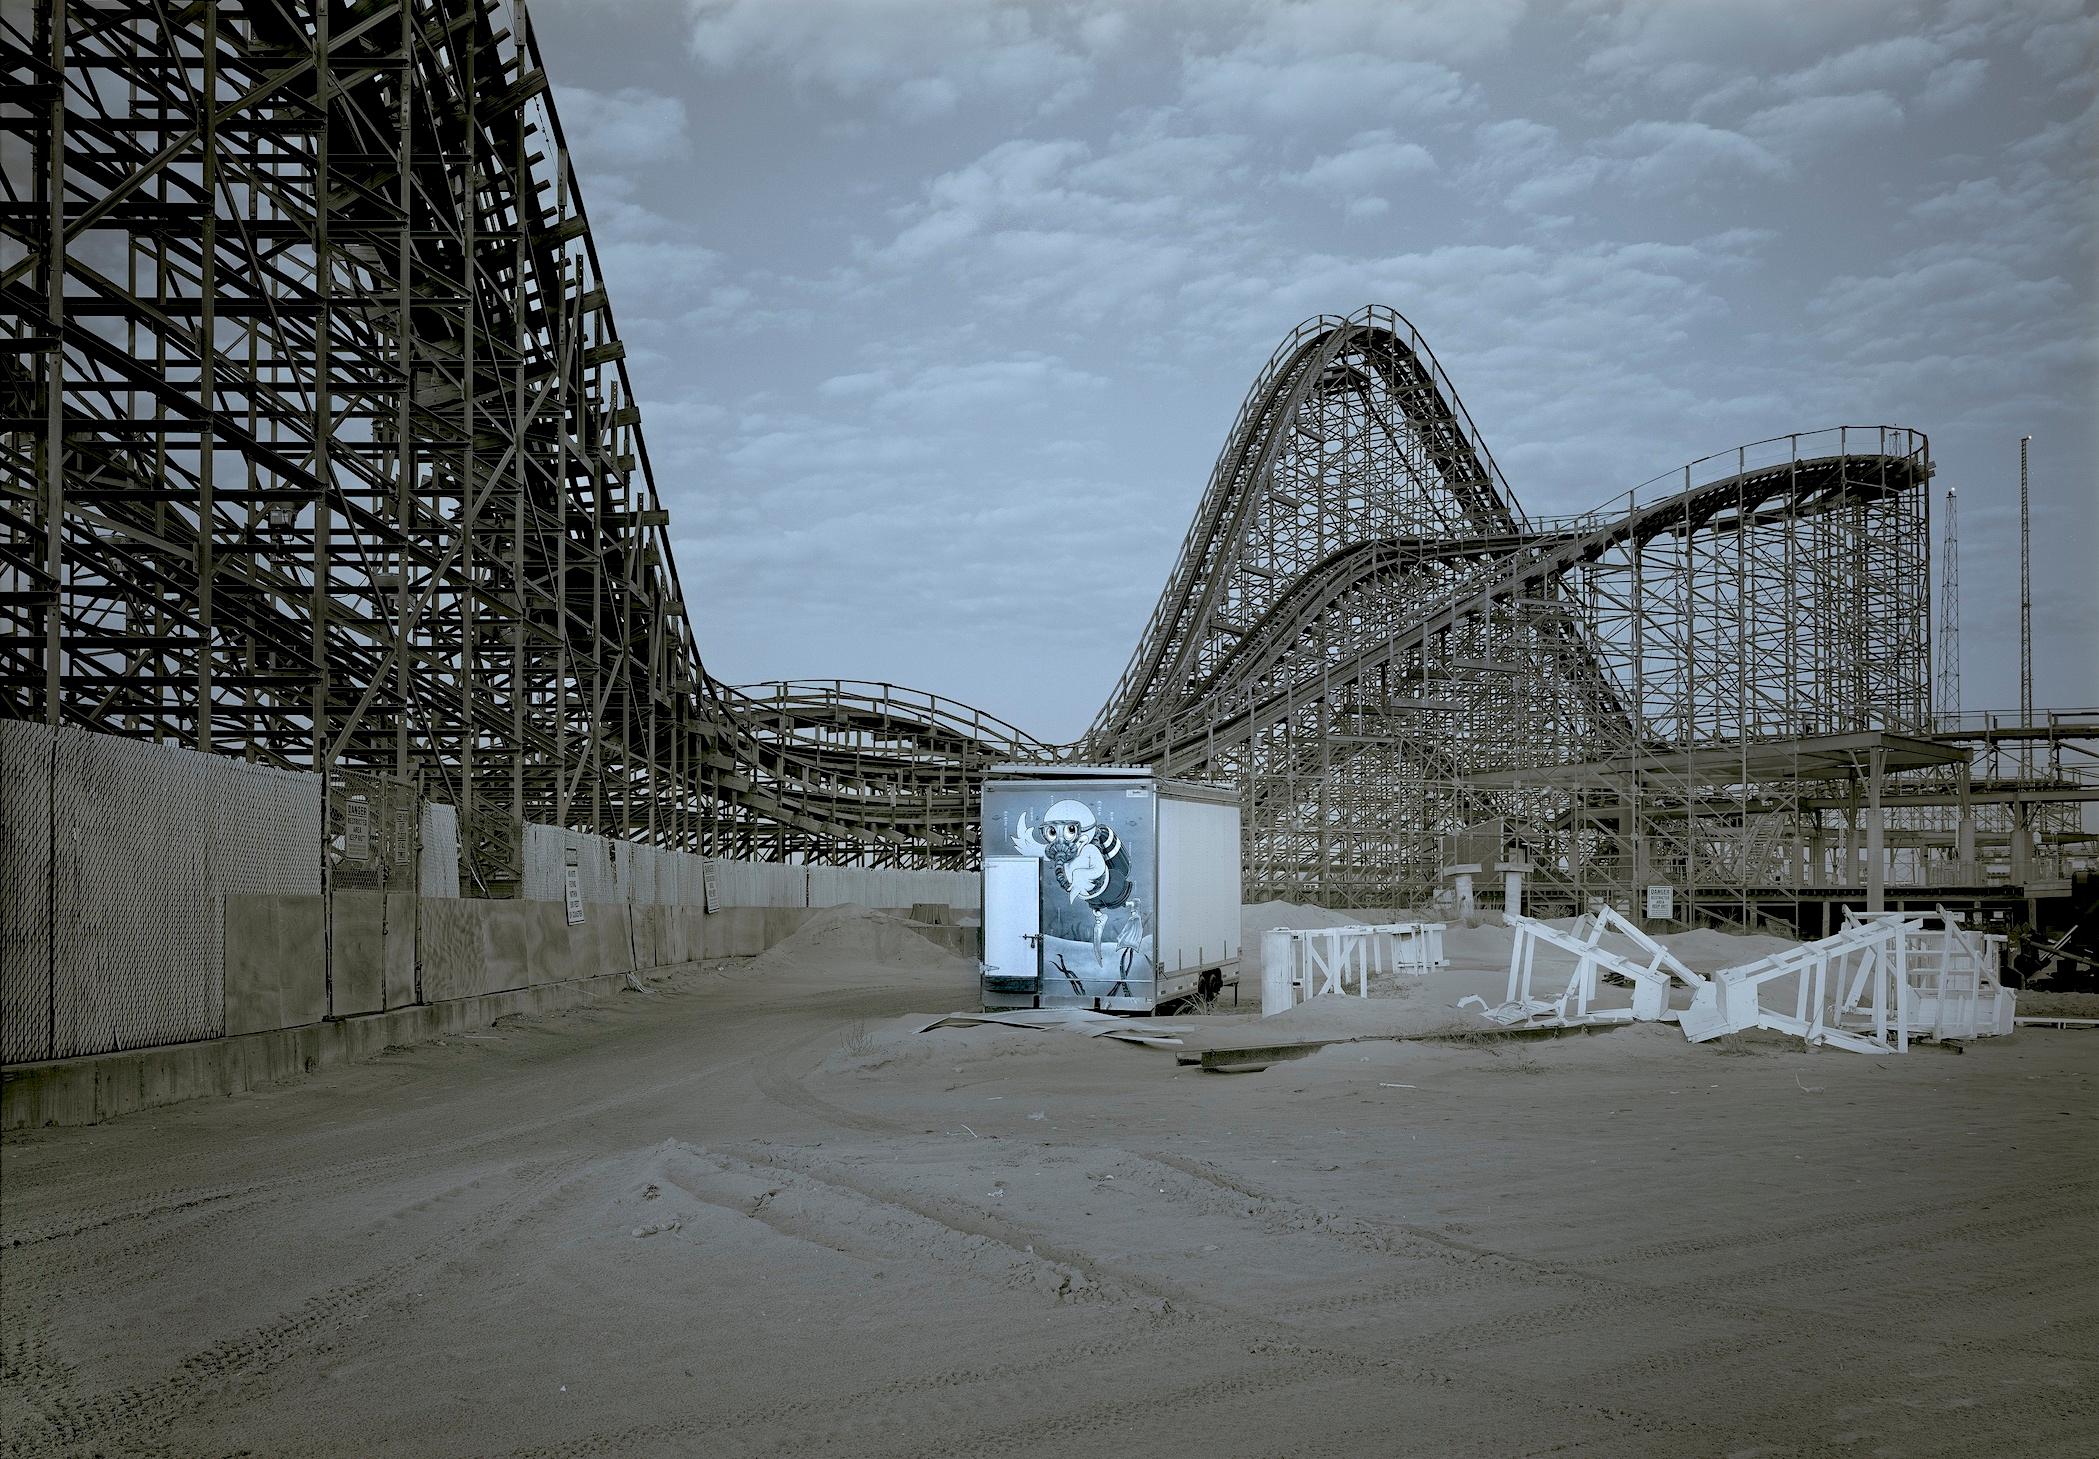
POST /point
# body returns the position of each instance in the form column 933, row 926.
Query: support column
column 1964, row 836
column 207, row 372
column 1512, row 887
column 1876, row 857
column 1634, row 836
column 2021, row 849
column 53, row 440
column 1851, row 878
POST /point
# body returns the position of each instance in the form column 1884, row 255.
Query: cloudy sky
column 939, row 310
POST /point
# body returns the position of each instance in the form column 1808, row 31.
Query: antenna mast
column 2025, row 622
column 1950, row 611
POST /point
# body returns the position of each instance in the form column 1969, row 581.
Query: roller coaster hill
column 321, row 451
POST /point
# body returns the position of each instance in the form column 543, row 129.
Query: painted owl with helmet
column 1088, row 858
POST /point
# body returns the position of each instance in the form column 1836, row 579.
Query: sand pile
column 852, row 936
column 1258, row 917
column 1330, row 1016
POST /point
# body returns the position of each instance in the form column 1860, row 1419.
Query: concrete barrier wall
column 277, row 1026
column 276, row 962
column 393, row 950
column 150, row 895
column 87, row 1090
column 609, row 870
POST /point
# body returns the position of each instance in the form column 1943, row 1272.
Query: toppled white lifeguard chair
column 1850, row 990
column 1955, row 991
column 1574, row 1006
column 1881, row 980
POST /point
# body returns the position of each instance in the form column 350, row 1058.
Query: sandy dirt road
column 750, row 1212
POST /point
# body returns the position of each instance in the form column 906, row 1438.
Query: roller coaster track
column 1496, row 573
column 1363, row 617
column 320, row 449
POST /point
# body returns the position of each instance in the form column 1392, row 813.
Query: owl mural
column 1090, row 865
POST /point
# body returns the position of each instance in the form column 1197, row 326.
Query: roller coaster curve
column 364, row 490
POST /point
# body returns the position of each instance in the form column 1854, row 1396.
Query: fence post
column 1277, row 958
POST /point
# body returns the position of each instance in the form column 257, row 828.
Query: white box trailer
column 1106, row 887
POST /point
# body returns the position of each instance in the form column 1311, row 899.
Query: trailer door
column 1012, row 918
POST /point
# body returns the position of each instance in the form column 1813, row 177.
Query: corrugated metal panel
column 833, row 886
column 449, row 948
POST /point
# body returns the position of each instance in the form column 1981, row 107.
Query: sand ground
column 753, row 1211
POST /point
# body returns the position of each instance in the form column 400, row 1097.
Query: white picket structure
column 1301, row 963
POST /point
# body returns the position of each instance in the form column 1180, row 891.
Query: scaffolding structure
column 1407, row 674
column 320, row 450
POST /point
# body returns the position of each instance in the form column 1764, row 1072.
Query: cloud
column 1005, row 386
column 923, row 58
column 1815, row 123
column 1641, row 160
column 1153, row 164
column 943, row 356
column 1892, row 61
column 1689, row 45
column 1256, row 86
column 1513, row 147
column 1371, row 161
column 647, row 256
column 1954, row 84
column 2064, row 44
column 617, row 131
column 1049, row 223
column 1454, row 30
column 1665, row 154
column 1017, row 179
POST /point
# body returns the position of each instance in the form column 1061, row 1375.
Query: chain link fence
column 374, row 833
column 120, row 856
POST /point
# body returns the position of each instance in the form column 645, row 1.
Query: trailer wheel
column 1210, row 984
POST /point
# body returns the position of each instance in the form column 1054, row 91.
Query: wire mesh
column 438, row 859
column 373, row 832
column 25, row 892
column 120, row 855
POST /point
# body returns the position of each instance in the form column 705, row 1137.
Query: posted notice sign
column 1661, row 902
column 357, row 830
column 572, row 888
